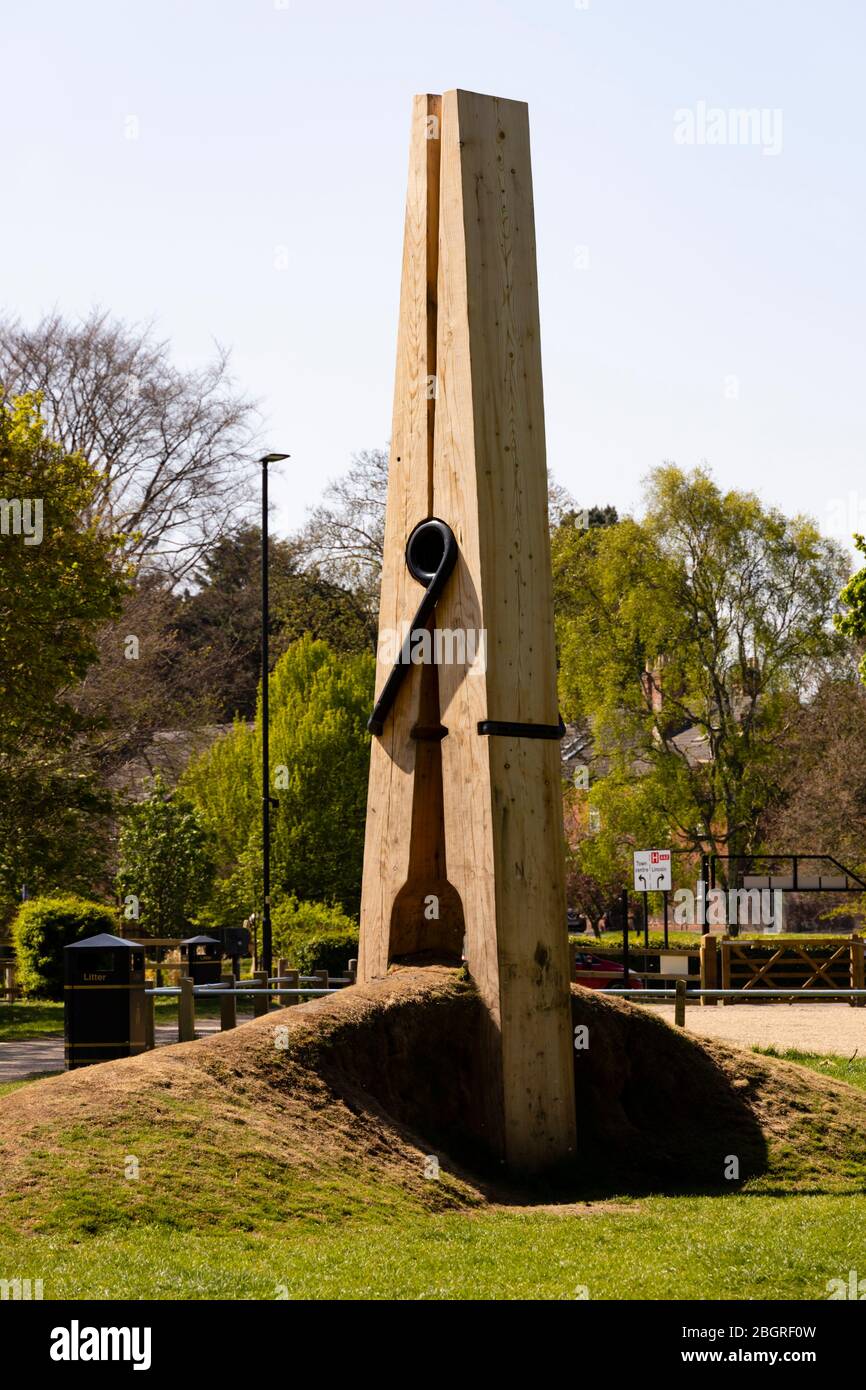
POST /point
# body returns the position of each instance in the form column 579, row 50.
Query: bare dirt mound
column 334, row 1108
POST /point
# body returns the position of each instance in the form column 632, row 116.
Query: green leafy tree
column 166, row 866
column 220, row 623
column 320, row 701
column 688, row 641
column 55, row 824
column 59, row 583
column 853, row 623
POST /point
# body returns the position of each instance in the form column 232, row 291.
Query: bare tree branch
column 172, row 445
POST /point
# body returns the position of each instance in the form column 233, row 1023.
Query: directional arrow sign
column 652, row 870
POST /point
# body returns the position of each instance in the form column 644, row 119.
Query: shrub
column 313, row 936
column 329, row 951
column 43, row 927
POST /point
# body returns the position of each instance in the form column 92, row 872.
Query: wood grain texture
column 393, row 756
column 502, row 797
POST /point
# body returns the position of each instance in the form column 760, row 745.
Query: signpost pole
column 625, row 962
column 665, row 901
column 645, row 922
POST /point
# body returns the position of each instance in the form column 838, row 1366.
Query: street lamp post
column 266, row 962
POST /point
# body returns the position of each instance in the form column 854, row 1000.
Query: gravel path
column 808, row 1027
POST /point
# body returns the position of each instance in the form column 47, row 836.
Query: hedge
column 42, row 927
column 329, row 951
column 313, row 936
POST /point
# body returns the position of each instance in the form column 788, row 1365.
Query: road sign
column 652, row 870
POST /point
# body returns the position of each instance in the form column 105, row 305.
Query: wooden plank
column 503, row 797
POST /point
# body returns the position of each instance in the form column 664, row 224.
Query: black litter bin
column 203, row 956
column 236, row 943
column 104, row 1001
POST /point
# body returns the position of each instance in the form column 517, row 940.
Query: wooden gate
column 788, row 963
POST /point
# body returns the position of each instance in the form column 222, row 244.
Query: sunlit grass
column 851, row 1069
column 727, row 1247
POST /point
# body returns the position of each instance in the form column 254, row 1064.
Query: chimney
column 652, row 683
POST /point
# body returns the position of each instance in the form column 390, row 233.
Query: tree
column 821, row 804
column 55, row 822
column 853, row 623
column 166, row 868
column 619, row 812
column 306, row 602
column 56, row 584
column 59, row 583
column 169, row 445
column 689, row 641
column 564, row 512
column 219, row 625
column 147, row 678
column 320, row 702
column 345, row 535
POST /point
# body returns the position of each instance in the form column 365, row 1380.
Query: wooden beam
column 503, row 795
column 396, row 861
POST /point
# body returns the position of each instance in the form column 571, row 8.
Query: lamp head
column 274, row 458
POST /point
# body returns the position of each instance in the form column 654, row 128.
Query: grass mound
column 660, row 1110
column 331, row 1111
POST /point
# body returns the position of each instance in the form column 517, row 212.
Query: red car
column 596, row 973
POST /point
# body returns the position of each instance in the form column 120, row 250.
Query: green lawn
column 850, row 1069
column 7, row 1086
column 33, row 1018
column 321, row 1232
column 729, row 1247
column 612, row 940
column 29, row 1018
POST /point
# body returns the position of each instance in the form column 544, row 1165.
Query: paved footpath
column 32, row 1056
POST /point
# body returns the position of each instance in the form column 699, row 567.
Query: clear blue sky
column 275, row 134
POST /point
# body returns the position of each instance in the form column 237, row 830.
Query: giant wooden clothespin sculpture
column 464, row 821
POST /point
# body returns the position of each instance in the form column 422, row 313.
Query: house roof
column 577, row 749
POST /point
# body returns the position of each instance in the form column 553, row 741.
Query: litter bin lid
column 104, row 939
